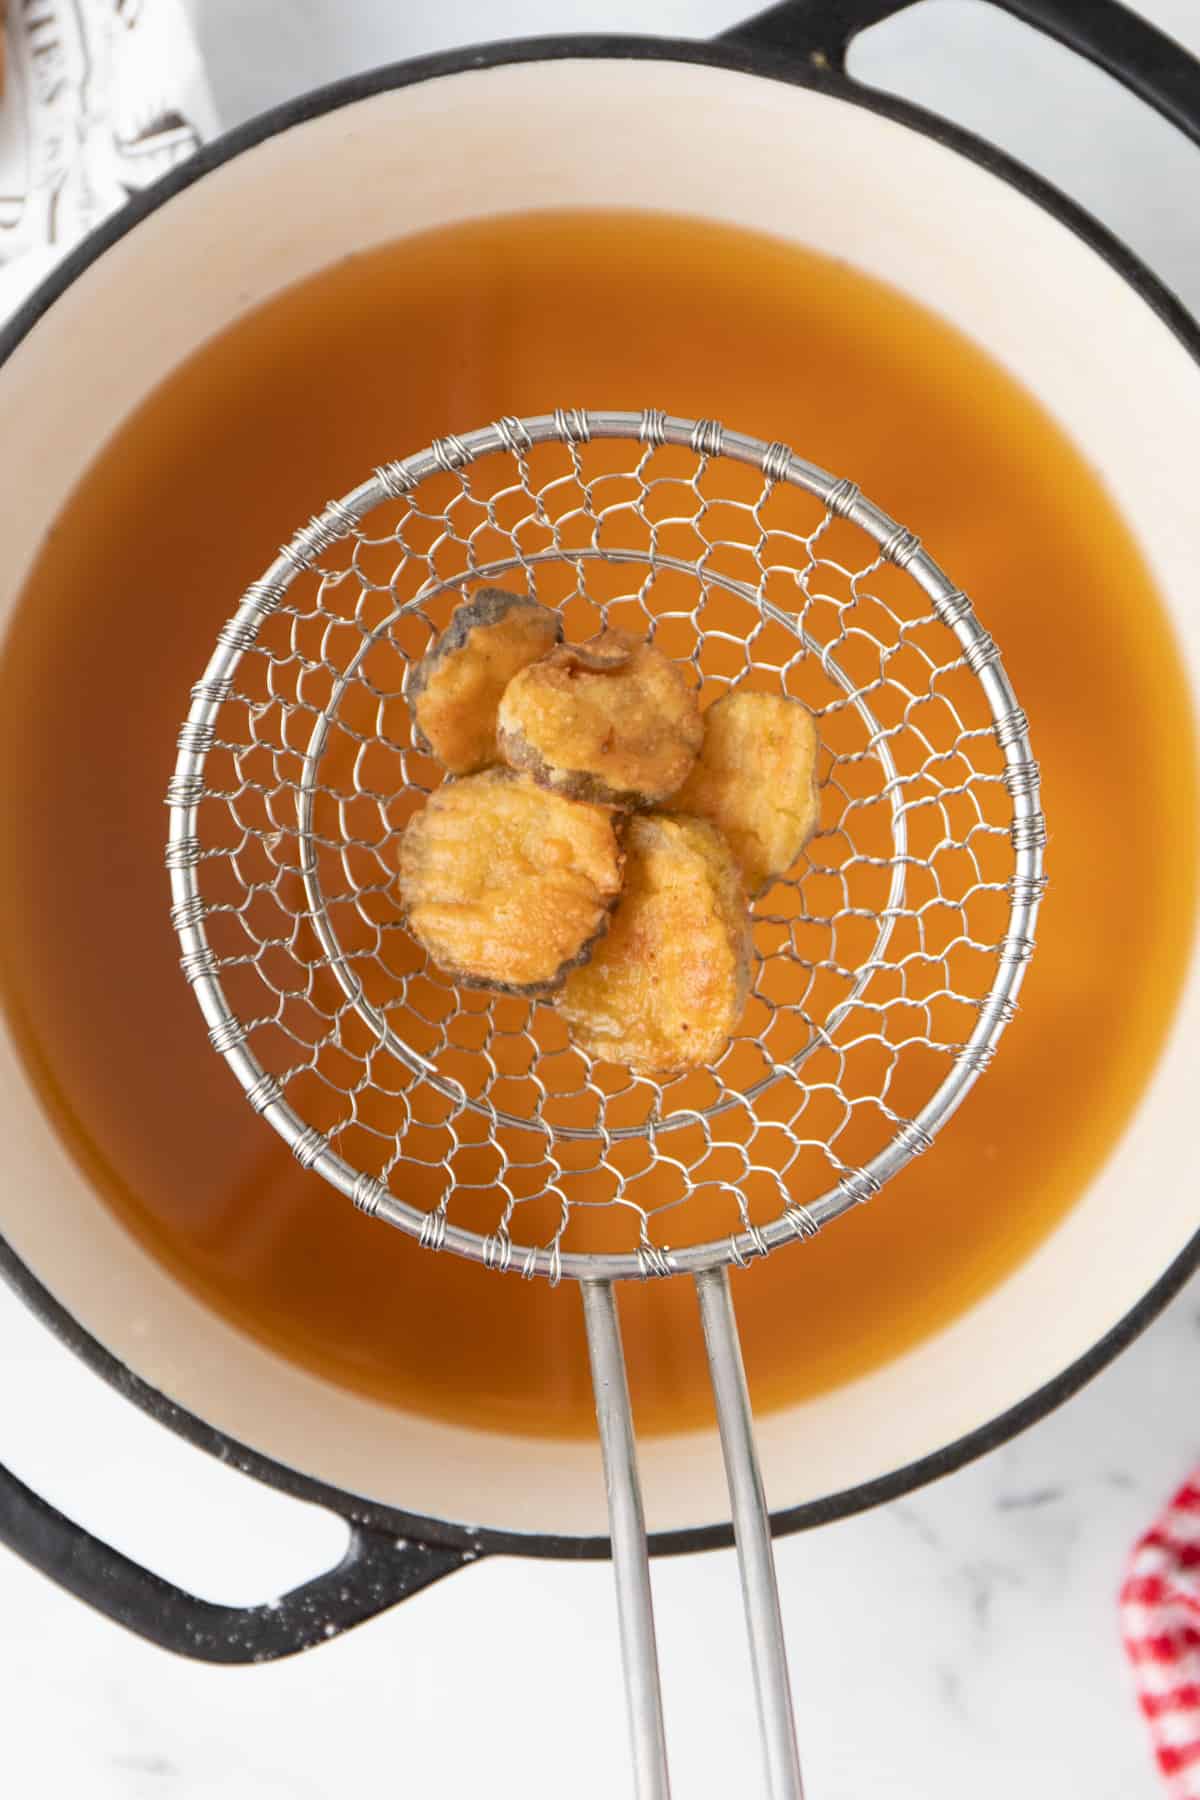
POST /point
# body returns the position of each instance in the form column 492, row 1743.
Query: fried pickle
column 455, row 689
column 612, row 721
column 666, row 986
column 507, row 885
column 756, row 779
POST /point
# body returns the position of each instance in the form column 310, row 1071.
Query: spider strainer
column 887, row 962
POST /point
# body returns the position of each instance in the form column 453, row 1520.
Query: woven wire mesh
column 886, row 962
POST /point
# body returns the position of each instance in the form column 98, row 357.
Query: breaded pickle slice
column 666, row 985
column 756, row 779
column 507, row 885
column 612, row 721
column 454, row 691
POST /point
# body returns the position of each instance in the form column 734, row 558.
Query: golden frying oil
column 372, row 359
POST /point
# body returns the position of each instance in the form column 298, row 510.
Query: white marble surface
column 963, row 1642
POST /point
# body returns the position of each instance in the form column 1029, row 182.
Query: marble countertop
column 961, row 1642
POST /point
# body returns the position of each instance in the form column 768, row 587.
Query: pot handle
column 1134, row 52
column 377, row 1571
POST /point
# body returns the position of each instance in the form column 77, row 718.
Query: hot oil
column 374, row 358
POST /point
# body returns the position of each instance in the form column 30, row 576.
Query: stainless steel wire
column 887, row 963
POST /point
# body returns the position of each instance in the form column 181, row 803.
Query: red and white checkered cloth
column 1160, row 1620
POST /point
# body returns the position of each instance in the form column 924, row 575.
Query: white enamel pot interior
column 803, row 165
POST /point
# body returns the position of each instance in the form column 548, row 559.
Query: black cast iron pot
column 764, row 127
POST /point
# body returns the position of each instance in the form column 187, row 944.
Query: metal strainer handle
column 752, row 1530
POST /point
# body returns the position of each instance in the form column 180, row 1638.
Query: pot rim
column 770, row 64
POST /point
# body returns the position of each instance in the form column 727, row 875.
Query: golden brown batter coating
column 612, row 720
column 756, row 779
column 507, row 885
column 455, row 689
column 666, row 986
